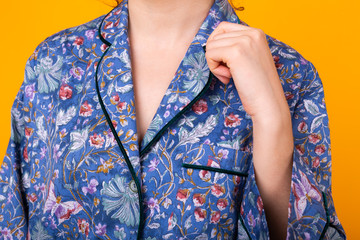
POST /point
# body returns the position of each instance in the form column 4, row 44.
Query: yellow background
column 324, row 32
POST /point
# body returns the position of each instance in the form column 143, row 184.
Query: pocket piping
column 220, row 170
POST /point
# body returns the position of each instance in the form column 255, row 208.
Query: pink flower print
column 304, row 191
column 83, row 226
column 215, row 217
column 320, row 149
column 217, row 190
column 115, row 99
column 86, row 109
column 222, row 203
column 302, row 127
column 200, row 214
column 121, row 106
column 91, row 188
column 205, row 175
column 199, row 199
column 314, row 138
column 182, row 195
column 315, row 162
column 96, row 141
column 213, row 163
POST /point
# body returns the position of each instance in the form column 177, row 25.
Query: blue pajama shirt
column 74, row 168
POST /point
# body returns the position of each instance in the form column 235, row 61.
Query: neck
column 166, row 21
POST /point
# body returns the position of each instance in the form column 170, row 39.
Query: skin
column 158, row 44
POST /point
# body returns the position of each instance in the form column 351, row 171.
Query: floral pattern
column 74, row 168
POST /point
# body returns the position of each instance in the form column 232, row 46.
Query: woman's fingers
column 231, row 34
column 224, row 27
column 218, row 63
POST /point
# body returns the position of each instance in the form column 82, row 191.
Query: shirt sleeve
column 311, row 212
column 13, row 181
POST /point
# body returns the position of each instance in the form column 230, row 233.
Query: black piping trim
column 220, row 170
column 178, row 115
column 243, row 224
column 99, row 30
column 327, row 217
column 108, row 119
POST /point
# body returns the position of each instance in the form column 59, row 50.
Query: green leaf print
column 49, row 74
column 121, row 200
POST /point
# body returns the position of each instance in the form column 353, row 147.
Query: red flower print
column 232, row 120
column 65, row 92
column 314, row 138
column 83, row 227
column 182, row 195
column 79, row 41
column 25, row 155
column 302, row 127
column 32, row 197
column 200, row 214
column 259, row 204
column 28, row 132
column 289, row 95
column 315, row 162
column 96, row 140
column 117, row 23
column 108, row 25
column 300, row 149
column 205, row 175
column 121, row 106
column 222, row 203
column 215, row 217
column 320, row 149
column 115, row 99
column 86, row 109
column 276, row 61
column 200, row 107
column 114, row 123
column 104, row 47
column 237, row 180
column 198, row 199
column 217, row 190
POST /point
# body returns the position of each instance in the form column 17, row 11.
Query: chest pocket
column 218, row 159
column 212, row 180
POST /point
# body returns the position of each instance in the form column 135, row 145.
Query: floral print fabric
column 74, row 168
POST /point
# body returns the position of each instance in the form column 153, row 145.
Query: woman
column 242, row 106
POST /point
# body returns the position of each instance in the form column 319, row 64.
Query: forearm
column 273, row 149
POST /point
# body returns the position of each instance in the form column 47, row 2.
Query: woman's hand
column 242, row 52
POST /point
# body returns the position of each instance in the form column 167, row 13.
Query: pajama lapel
column 191, row 79
column 115, row 82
